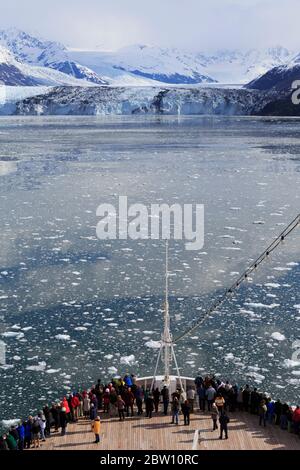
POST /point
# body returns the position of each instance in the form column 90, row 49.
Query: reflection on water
column 74, row 306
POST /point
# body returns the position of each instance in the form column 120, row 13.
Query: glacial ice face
column 140, row 100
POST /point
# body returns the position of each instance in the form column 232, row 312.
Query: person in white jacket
column 42, row 422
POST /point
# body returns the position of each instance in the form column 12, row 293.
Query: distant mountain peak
column 34, row 50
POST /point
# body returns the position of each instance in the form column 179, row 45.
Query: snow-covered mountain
column 16, row 73
column 11, row 72
column 243, row 66
column 162, row 64
column 32, row 50
column 174, row 66
column 279, row 78
column 137, row 65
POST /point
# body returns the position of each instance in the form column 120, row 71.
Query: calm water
column 73, row 308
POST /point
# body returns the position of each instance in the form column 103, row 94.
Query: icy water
column 75, row 309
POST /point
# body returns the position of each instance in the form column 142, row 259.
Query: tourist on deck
column 246, row 397
column 75, row 404
column 214, row 416
column 166, row 399
column 3, row 443
column 224, row 420
column 262, row 412
column 21, row 435
column 121, row 407
column 63, row 420
column 220, row 402
column 139, row 399
column 106, row 400
column 86, row 406
column 201, row 391
column 93, row 411
column 55, row 416
column 254, row 401
column 14, row 433
column 270, row 410
column 175, row 410
column 210, row 395
column 36, row 430
column 277, row 411
column 239, row 399
column 96, row 429
column 65, row 404
column 128, row 380
column 186, row 410
column 156, row 398
column 99, row 394
column 128, row 398
column 11, row 442
column 190, row 394
column 28, row 433
column 46, row 413
column 42, row 422
column 296, row 419
column 113, row 397
column 149, row 406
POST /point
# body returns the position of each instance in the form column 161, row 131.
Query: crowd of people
column 124, row 397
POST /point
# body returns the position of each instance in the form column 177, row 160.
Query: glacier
column 140, row 100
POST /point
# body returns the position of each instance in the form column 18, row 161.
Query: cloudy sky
column 188, row 24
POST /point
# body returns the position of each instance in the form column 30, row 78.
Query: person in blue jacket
column 21, row 433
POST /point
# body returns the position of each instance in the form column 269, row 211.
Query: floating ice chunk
column 281, row 268
column 153, row 344
column 108, row 356
column 229, row 357
column 289, row 363
column 17, row 358
column 39, row 368
column 272, row 284
column 7, row 423
column 80, row 328
column 260, row 305
column 112, row 370
column 52, row 371
column 257, row 377
column 129, row 360
column 13, row 334
column 278, row 336
column 63, row 337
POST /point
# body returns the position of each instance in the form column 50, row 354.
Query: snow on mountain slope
column 16, row 73
column 174, row 66
column 242, row 66
column 35, row 51
column 147, row 62
column 11, row 72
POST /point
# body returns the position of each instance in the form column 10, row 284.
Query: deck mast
column 166, row 350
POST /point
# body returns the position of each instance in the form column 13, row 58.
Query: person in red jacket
column 75, row 404
column 65, row 404
column 296, row 419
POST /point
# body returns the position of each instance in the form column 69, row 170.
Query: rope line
column 292, row 225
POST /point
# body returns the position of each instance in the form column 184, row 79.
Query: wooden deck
column 158, row 434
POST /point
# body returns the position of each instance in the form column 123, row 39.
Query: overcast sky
column 188, row 24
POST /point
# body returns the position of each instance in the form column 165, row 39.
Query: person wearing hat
column 63, row 420
column 96, row 429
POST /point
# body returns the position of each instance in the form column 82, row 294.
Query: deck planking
column 141, row 433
